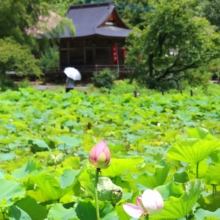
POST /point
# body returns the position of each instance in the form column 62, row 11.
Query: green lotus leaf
column 153, row 180
column 57, row 212
column 184, row 116
column 86, row 210
column 49, row 187
column 170, row 189
column 202, row 214
column 73, row 162
column 68, row 178
column 203, row 167
column 15, row 213
column 30, row 167
column 210, row 202
column 120, row 166
column 10, row 192
column 200, row 133
column 192, row 150
column 31, row 207
column 215, row 156
column 179, row 207
column 181, row 176
column 70, row 141
column 39, row 145
column 2, row 173
column 7, row 156
column 170, row 135
column 212, row 175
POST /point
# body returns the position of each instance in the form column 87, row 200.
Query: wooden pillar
column 84, row 52
column 68, row 52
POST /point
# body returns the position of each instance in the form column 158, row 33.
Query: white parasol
column 72, row 73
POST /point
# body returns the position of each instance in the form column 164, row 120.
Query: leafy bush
column 199, row 77
column 126, row 86
column 152, row 83
column 49, row 60
column 18, row 58
column 7, row 83
column 24, row 83
column 104, row 78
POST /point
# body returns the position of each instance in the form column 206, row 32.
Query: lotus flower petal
column 133, row 210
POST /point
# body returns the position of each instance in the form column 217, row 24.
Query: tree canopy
column 210, row 10
column 20, row 22
column 172, row 44
column 18, row 16
column 17, row 57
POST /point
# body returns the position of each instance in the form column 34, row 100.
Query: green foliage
column 179, row 207
column 61, row 6
column 24, row 83
column 49, row 59
column 16, row 57
column 31, row 207
column 104, row 78
column 190, row 150
column 125, row 86
column 11, row 191
column 134, row 12
column 209, row 9
column 23, row 15
column 20, row 23
column 173, row 43
column 26, row 20
column 204, row 214
column 149, row 138
column 57, row 211
column 17, row 213
column 7, row 83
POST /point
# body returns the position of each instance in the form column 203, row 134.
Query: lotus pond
column 168, row 143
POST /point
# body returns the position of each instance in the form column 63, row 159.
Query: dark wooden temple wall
column 89, row 52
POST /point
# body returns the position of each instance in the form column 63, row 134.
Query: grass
column 123, row 86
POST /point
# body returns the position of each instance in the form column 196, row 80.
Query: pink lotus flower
column 100, row 156
column 150, row 203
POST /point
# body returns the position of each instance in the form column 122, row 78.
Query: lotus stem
column 96, row 193
column 213, row 190
column 147, row 217
column 197, row 170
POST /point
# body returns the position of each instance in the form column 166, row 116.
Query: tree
column 19, row 16
column 210, row 9
column 133, row 11
column 17, row 57
column 20, row 22
column 61, row 6
column 172, row 44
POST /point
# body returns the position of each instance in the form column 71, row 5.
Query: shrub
column 24, row 83
column 49, row 59
column 7, row 83
column 104, row 78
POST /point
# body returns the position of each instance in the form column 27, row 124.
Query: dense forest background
column 175, row 39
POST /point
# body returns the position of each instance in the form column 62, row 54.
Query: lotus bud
column 100, row 156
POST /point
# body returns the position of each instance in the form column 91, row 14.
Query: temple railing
column 88, row 70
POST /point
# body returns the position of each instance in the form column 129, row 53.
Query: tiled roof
column 89, row 19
